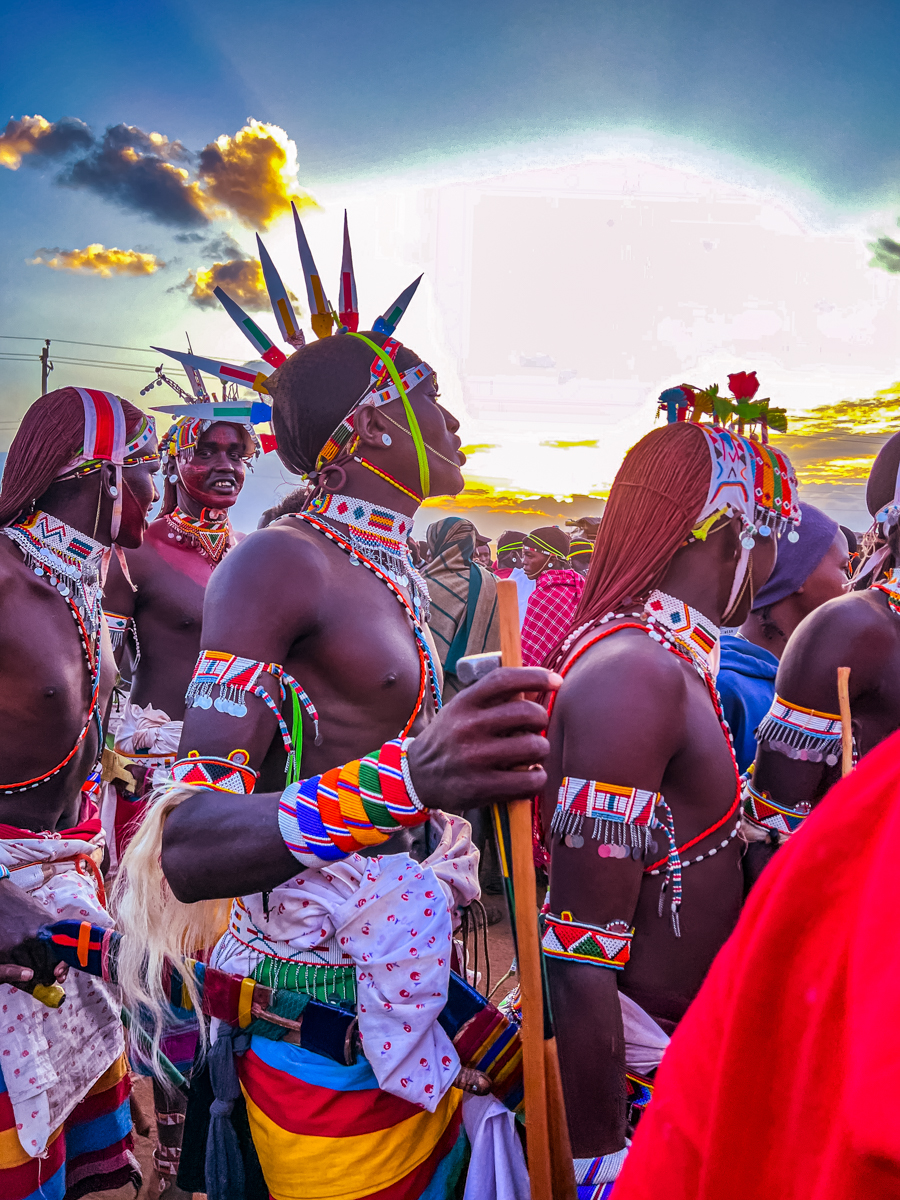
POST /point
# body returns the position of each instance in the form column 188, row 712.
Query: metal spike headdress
column 386, row 383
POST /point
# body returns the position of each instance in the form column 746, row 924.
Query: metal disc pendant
column 62, row 588
column 403, row 581
column 574, row 840
column 39, row 571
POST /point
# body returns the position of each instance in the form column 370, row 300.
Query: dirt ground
column 500, row 947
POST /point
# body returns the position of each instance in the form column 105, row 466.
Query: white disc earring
column 114, row 491
column 173, row 478
column 386, row 438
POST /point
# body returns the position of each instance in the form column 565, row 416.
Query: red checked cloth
column 551, row 607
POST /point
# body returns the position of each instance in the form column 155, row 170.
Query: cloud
column 885, row 254
column 144, row 172
column 97, row 260
column 558, row 445
column 34, row 140
column 253, row 174
column 242, row 279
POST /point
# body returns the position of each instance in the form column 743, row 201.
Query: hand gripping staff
column 550, row 1168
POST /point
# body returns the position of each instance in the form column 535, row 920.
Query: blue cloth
column 797, row 560
column 746, row 684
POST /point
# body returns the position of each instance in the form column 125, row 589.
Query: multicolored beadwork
column 231, row 774
column 117, row 626
column 801, row 733
column 594, row 1177
column 890, row 585
column 778, row 821
column 326, row 817
column 694, row 633
column 576, row 941
column 211, row 536
column 621, row 815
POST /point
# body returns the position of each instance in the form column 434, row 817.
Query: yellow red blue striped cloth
column 91, row 1152
column 325, row 1130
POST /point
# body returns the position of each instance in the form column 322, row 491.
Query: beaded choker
column 674, row 620
column 68, row 558
column 379, row 534
column 210, row 536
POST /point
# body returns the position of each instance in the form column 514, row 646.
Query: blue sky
column 806, row 94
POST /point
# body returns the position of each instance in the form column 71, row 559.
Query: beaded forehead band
column 105, row 442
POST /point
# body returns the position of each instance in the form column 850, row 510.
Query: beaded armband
column 237, row 678
column 766, row 820
column 594, row 1177
column 118, row 627
column 327, row 817
column 597, row 945
column 801, row 733
column 229, row 774
column 622, row 816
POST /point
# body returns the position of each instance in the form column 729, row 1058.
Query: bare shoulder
column 625, row 673
column 857, row 630
column 267, row 590
column 10, row 567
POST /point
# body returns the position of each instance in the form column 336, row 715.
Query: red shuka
column 781, row 1081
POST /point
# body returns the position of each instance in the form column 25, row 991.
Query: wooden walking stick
column 550, row 1168
column 843, row 681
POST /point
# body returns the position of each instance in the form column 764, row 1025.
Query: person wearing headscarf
column 807, row 573
column 464, row 618
column 556, row 593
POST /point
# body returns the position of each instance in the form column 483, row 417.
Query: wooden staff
column 550, row 1168
column 843, row 681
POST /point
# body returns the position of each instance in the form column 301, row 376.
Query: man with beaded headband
column 78, row 480
column 798, row 754
column 159, row 603
column 642, row 781
column 316, row 662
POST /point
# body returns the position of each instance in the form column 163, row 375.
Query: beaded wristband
column 229, row 774
column 776, row 821
column 407, row 778
column 594, row 1177
column 575, row 941
column 327, row 817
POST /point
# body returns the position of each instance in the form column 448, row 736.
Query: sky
column 606, row 198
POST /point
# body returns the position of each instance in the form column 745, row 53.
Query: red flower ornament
column 743, row 385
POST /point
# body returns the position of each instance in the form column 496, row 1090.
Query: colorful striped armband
column 118, row 627
column 801, row 733
column 329, row 816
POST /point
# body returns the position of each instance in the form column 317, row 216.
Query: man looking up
column 808, row 572
column 799, row 752
column 557, row 590
column 204, row 466
column 637, row 730
column 326, row 604
column 78, row 479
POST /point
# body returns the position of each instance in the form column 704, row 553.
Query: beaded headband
column 544, row 546
column 510, row 546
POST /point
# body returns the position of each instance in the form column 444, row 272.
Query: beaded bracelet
column 229, row 774
column 327, row 817
column 576, row 941
column 594, row 1177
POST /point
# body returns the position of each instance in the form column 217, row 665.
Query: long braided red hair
column 50, row 436
column 654, row 503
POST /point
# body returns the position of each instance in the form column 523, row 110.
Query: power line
column 8, row 337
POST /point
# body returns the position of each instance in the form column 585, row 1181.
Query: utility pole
column 46, row 366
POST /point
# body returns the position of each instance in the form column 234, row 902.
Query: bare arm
column 218, row 845
column 852, row 631
column 617, row 722
column 119, row 597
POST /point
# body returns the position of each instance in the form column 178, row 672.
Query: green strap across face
column 418, row 441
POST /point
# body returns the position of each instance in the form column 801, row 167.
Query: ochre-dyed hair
column 653, row 505
column 316, row 388
column 51, row 435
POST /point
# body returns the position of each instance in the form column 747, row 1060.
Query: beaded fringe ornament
column 801, row 733
column 68, row 558
column 210, row 536
column 381, row 535
column 118, row 627
column 622, row 816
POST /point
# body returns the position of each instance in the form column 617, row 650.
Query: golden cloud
column 37, row 137
column 254, row 174
column 242, row 279
column 97, row 260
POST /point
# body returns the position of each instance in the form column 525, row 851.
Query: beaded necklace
column 70, row 561
column 890, row 585
column 379, row 535
column 208, row 533
column 413, row 611
column 692, row 632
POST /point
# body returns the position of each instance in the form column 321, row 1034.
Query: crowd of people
column 249, row 781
